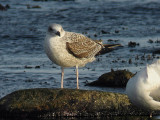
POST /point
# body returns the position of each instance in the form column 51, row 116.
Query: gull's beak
column 58, row 33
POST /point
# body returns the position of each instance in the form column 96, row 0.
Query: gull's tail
column 108, row 48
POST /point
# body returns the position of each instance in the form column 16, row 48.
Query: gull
column 69, row 49
column 144, row 88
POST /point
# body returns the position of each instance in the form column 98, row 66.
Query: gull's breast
column 57, row 52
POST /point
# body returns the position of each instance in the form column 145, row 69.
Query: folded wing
column 82, row 46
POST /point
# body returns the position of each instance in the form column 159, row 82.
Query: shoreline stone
column 118, row 78
column 49, row 103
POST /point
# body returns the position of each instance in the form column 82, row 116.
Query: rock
column 28, row 67
column 35, row 6
column 111, row 40
column 117, row 78
column 49, row 103
column 40, row 0
column 133, row 44
column 104, row 32
column 157, row 41
column 116, row 31
column 156, row 51
column 53, row 0
column 37, row 66
column 150, row 41
column 7, row 6
column 4, row 8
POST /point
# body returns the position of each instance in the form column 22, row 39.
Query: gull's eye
column 50, row 29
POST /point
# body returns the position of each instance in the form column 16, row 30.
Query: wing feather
column 83, row 47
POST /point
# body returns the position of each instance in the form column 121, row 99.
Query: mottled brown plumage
column 82, row 46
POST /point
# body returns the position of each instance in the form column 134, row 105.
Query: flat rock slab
column 43, row 102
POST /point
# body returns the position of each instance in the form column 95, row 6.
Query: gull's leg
column 62, row 76
column 150, row 115
column 77, row 76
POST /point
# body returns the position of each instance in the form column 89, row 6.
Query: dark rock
column 157, row 41
column 116, row 31
column 53, row 0
column 29, row 80
column 111, row 40
column 133, row 44
column 130, row 61
column 35, row 6
column 117, row 78
column 7, row 6
column 4, row 8
column 95, row 35
column 37, row 66
column 40, row 0
column 157, row 51
column 150, row 41
column 28, row 67
column 49, row 103
column 104, row 32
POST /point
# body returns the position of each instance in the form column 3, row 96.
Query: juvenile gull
column 69, row 49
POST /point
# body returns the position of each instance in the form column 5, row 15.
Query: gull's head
column 56, row 30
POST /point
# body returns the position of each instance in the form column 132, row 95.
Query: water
column 23, row 30
column 24, row 65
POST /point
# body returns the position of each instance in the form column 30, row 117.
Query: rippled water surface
column 24, row 65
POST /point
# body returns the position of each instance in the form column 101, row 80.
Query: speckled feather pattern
column 70, row 50
column 82, row 46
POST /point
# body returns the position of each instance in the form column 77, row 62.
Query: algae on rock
column 66, row 102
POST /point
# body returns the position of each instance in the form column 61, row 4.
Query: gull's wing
column 82, row 47
column 155, row 94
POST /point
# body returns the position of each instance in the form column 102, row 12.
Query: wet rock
column 49, row 103
column 53, row 0
column 95, row 35
column 130, row 61
column 104, row 32
column 111, row 40
column 29, row 80
column 37, row 66
column 133, row 44
column 116, row 31
column 117, row 78
column 4, row 8
column 150, row 41
column 157, row 51
column 40, row 0
column 66, row 0
column 7, row 6
column 28, row 67
column 157, row 41
column 35, row 6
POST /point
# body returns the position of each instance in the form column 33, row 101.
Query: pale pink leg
column 77, row 74
column 150, row 115
column 62, row 76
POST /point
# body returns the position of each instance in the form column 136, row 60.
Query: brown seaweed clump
column 117, row 78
